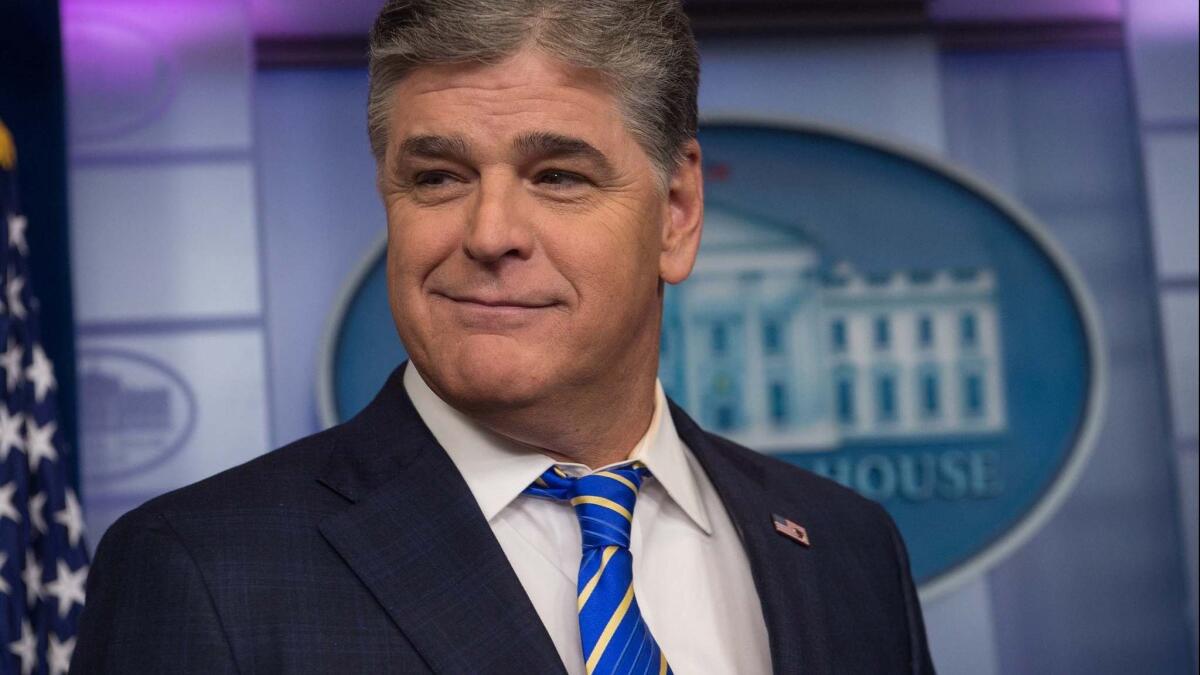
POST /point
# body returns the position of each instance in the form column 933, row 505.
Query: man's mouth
column 497, row 301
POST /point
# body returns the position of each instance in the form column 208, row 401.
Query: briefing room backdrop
column 222, row 195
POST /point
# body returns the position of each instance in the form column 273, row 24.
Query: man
column 520, row 497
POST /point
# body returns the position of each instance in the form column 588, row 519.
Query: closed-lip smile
column 497, row 302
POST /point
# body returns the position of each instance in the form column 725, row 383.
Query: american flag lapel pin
column 791, row 530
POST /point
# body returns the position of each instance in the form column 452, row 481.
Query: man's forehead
column 577, row 123
column 528, row 104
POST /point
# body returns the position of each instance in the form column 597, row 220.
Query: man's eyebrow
column 547, row 144
column 435, row 147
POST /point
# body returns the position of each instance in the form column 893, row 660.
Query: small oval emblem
column 136, row 413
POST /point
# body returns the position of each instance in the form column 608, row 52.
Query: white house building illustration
column 782, row 351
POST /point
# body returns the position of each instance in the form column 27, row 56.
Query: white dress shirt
column 691, row 576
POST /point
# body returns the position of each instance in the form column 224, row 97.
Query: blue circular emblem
column 867, row 313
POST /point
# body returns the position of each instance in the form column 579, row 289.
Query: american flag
column 43, row 559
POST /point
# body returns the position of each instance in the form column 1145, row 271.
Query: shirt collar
column 497, row 468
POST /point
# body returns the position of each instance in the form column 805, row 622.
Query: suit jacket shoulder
column 159, row 597
column 351, row 550
column 284, row 477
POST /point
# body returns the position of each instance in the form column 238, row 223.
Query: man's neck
column 594, row 427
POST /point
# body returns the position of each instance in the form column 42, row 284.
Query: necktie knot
column 603, row 501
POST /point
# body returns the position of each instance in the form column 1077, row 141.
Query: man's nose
column 498, row 225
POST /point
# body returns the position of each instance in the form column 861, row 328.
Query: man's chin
column 482, row 382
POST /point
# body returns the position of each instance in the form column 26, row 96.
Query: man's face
column 527, row 232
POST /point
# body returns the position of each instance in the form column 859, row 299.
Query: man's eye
column 555, row 178
column 433, row 179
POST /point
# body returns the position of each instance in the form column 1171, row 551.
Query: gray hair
column 644, row 48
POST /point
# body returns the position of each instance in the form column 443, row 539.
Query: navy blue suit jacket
column 361, row 550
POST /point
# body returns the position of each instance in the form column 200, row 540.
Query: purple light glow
column 119, row 74
column 179, row 22
column 1165, row 17
column 153, row 74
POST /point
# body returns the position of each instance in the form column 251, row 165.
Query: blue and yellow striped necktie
column 615, row 638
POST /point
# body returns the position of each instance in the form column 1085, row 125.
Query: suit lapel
column 785, row 573
column 415, row 537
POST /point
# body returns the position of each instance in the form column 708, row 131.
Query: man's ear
column 685, row 217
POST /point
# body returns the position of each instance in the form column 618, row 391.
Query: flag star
column 41, row 374
column 7, row 508
column 15, row 285
column 33, row 581
column 11, row 362
column 4, row 587
column 25, row 648
column 39, row 443
column 16, row 233
column 58, row 660
column 10, row 432
column 67, row 587
column 71, row 518
column 37, row 507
